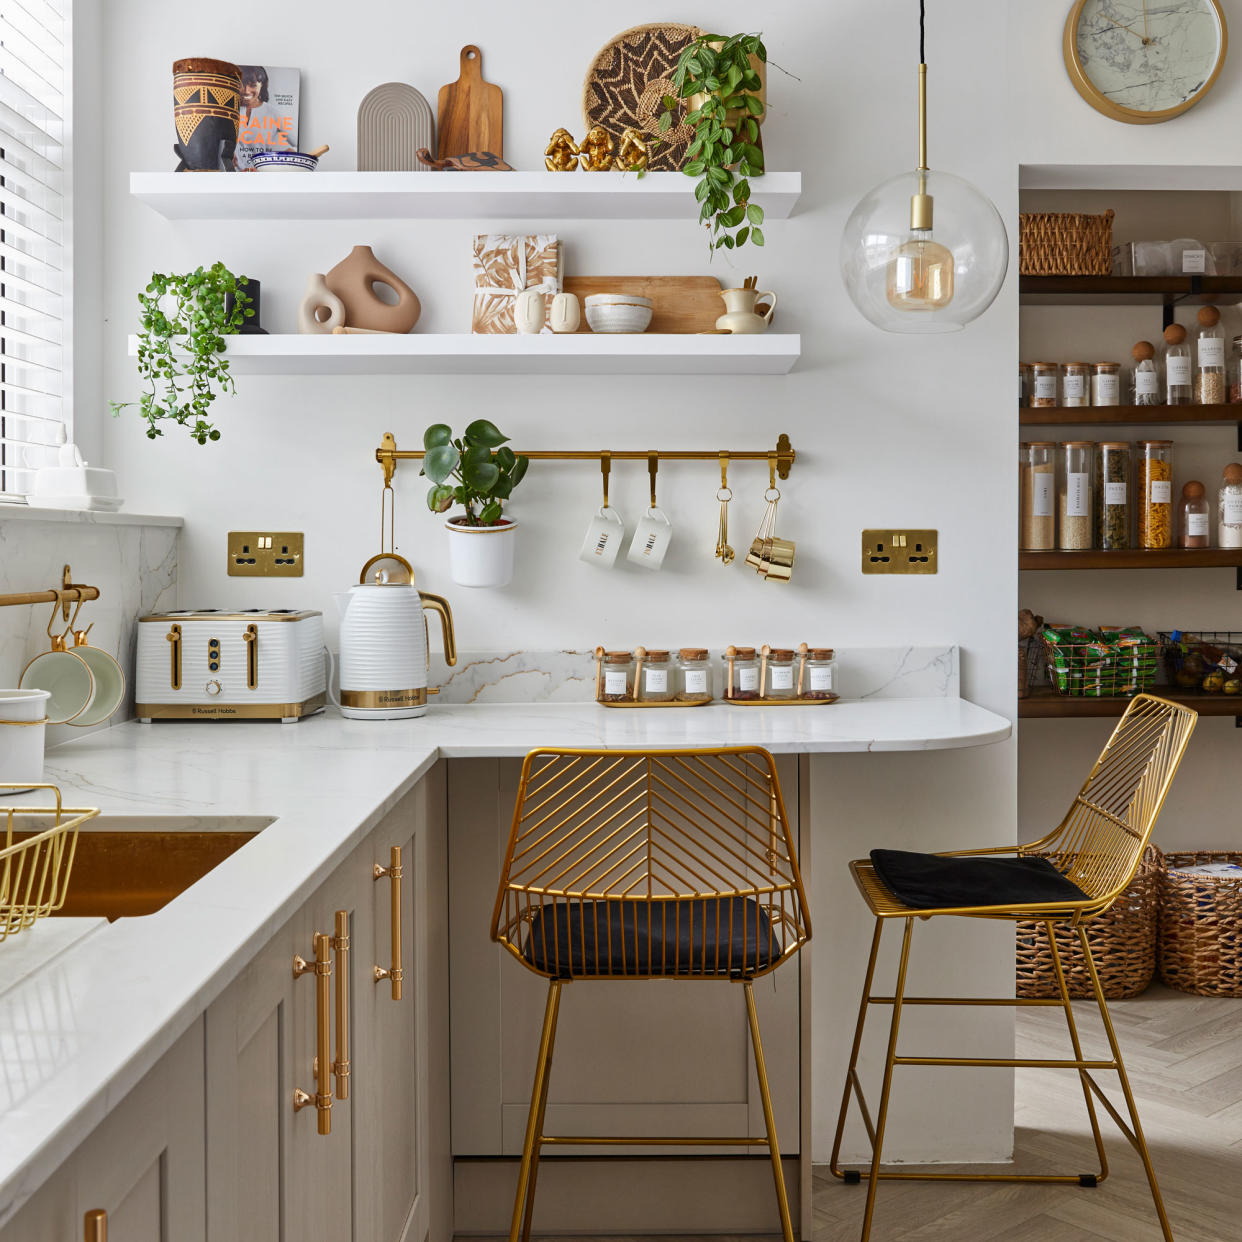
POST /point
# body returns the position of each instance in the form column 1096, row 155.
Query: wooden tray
column 683, row 304
column 669, row 703
column 781, row 702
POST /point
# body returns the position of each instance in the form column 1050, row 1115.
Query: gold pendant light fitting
column 921, row 203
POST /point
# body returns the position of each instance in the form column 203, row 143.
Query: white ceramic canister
column 23, row 725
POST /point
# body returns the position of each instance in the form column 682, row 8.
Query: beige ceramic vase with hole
column 320, row 310
column 353, row 280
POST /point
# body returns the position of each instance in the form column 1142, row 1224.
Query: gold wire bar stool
column 623, row 865
column 1093, row 854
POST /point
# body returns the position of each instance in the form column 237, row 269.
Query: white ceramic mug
column 652, row 536
column 603, row 538
column 67, row 678
column 109, row 682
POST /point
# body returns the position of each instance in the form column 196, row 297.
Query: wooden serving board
column 471, row 111
column 682, row 304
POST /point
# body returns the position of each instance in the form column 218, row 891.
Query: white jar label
column 1041, row 494
column 614, row 682
column 1075, row 387
column 821, row 678
column 1162, row 491
column 1106, row 390
column 1045, row 388
column 1231, row 509
column 1179, row 369
column 1115, row 493
column 696, row 680
column 1194, row 262
column 748, row 679
column 780, row 678
column 1212, row 351
column 1146, row 383
column 1197, row 525
column 1077, row 496
column 655, row 680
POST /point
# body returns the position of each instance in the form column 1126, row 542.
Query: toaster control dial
column 213, row 687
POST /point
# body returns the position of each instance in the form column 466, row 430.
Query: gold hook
column 59, row 600
column 772, row 470
column 724, row 470
column 77, row 610
column 605, row 466
column 653, row 465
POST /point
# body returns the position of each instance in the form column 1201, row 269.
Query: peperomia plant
column 486, row 472
column 181, row 347
column 716, row 78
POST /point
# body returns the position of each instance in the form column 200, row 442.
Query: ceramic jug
column 740, row 313
column 353, row 280
column 320, row 309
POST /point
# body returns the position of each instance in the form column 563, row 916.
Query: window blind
column 34, row 249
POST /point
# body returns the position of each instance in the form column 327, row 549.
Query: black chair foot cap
column 853, row 1177
column 1088, row 1179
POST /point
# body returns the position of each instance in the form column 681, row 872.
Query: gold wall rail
column 782, row 457
column 67, row 593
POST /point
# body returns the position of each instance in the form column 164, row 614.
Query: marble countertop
column 77, row 1034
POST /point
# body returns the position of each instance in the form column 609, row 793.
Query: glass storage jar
column 1210, row 386
column 1112, row 495
column 1179, row 386
column 1106, row 383
column 1145, row 388
column 744, row 682
column 1229, row 516
column 1076, row 384
column 1155, row 493
column 820, row 674
column 694, row 675
column 780, row 683
column 1074, row 496
column 1193, row 526
column 1044, row 383
column 1235, row 373
column 656, row 679
column 1038, row 473
column 1024, row 383
column 617, row 683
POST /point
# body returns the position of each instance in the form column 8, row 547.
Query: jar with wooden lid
column 1145, row 387
column 1155, row 493
column 1106, row 383
column 820, row 674
column 694, row 675
column 780, row 681
column 1210, row 382
column 1193, row 526
column 744, row 682
column 1076, row 384
column 1229, row 513
column 617, row 683
column 1044, row 377
column 1074, row 514
column 1037, row 477
column 656, row 685
column 1024, row 383
column 1179, row 388
column 1111, row 495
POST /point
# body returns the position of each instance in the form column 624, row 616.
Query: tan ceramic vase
column 352, row 280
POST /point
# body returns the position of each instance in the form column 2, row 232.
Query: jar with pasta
column 1111, row 495
column 1155, row 493
column 1037, row 488
column 1210, row 385
column 1044, row 383
column 1179, row 386
column 1106, row 383
column 1229, row 513
column 1145, row 375
column 1074, row 496
column 1076, row 384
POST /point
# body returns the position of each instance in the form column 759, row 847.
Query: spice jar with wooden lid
column 1229, row 514
column 618, row 679
column 657, row 680
column 1210, row 386
column 1038, row 473
column 1074, row 497
column 1106, row 383
column 1076, row 384
column 820, row 674
column 1145, row 375
column 1155, row 493
column 741, row 673
column 1179, row 386
column 1112, row 495
column 780, row 674
column 1194, row 516
column 1044, row 383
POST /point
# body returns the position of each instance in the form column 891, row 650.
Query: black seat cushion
column 929, row 881
column 729, row 937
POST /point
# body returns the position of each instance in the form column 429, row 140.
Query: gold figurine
column 561, row 154
column 633, row 156
column 597, row 149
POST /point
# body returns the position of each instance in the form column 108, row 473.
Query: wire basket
column 1065, row 243
column 1030, row 665
column 1201, row 926
column 36, row 858
column 1100, row 664
column 1205, row 662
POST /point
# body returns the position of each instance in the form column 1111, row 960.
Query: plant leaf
column 483, row 432
column 437, row 434
column 754, row 213
column 742, row 234
column 756, row 236
column 439, row 498
column 489, row 515
column 505, row 458
column 741, row 191
column 440, row 462
column 480, row 476
column 518, row 473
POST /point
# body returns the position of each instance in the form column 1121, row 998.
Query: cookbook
column 269, row 112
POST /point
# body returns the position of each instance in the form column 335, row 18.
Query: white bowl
column 615, row 312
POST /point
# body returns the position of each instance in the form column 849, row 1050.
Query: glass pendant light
column 925, row 251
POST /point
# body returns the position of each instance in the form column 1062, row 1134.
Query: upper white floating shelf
column 440, row 195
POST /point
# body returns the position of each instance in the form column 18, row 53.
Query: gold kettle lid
column 387, row 569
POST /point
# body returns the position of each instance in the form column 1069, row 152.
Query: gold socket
column 266, row 554
column 899, row 551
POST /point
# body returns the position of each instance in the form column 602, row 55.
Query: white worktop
column 78, row 1034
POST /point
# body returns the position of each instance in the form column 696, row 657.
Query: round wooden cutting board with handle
column 471, row 111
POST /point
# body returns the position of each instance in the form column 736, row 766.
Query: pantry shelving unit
column 1136, row 558
column 1045, row 703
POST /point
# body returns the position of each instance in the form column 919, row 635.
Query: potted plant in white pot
column 478, row 471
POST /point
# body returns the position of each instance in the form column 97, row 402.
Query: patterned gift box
column 504, row 265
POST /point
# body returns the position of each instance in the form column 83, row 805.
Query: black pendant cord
column 922, row 21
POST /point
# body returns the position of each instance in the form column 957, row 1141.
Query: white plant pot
column 23, row 717
column 481, row 556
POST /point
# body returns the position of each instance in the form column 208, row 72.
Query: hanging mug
column 652, row 536
column 603, row 538
column 109, row 681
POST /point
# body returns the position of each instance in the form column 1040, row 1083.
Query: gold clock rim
column 1132, row 116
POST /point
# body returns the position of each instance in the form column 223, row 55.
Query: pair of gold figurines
column 596, row 153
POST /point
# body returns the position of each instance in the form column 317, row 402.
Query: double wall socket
column 265, row 554
column 899, row 551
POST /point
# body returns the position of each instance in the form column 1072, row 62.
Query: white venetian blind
column 34, row 288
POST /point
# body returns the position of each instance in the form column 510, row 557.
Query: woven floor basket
column 1201, row 927
column 1122, row 939
column 1065, row 243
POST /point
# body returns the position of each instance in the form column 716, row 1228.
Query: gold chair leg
column 543, row 1108
column 534, row 1122
column 1139, row 1142
column 778, row 1174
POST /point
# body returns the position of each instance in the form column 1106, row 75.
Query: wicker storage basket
column 1201, row 926
column 1122, row 939
column 1064, row 243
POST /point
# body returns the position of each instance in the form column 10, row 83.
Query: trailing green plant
column 719, row 85
column 485, row 469
column 181, row 343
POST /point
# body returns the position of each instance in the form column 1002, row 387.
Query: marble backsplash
column 132, row 560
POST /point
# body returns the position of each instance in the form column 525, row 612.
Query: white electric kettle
column 384, row 642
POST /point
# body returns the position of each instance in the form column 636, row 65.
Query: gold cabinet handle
column 95, row 1226
column 321, row 968
column 174, row 639
column 252, row 657
column 340, row 944
column 394, row 871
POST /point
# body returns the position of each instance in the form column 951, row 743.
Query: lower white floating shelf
column 580, row 353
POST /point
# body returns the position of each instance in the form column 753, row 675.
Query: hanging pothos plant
column 181, row 342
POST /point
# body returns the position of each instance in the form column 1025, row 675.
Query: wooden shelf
column 1123, row 415
column 1127, row 290
column 581, row 353
column 325, row 195
column 1046, row 704
column 1165, row 558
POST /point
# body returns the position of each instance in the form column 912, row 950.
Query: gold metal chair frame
column 1098, row 845
column 639, row 834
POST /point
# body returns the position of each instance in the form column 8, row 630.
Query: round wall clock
column 1143, row 61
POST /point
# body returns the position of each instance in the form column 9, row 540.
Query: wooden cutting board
column 471, row 111
column 682, row 303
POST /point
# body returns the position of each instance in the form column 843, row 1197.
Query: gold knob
column 95, row 1226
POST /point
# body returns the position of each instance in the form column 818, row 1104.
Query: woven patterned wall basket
column 1201, row 926
column 1065, row 243
column 1122, row 939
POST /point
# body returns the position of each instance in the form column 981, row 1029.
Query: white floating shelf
column 582, row 353
column 440, row 195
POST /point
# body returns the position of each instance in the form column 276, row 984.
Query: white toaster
column 212, row 665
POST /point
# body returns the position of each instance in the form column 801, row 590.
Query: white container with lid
column 23, row 726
